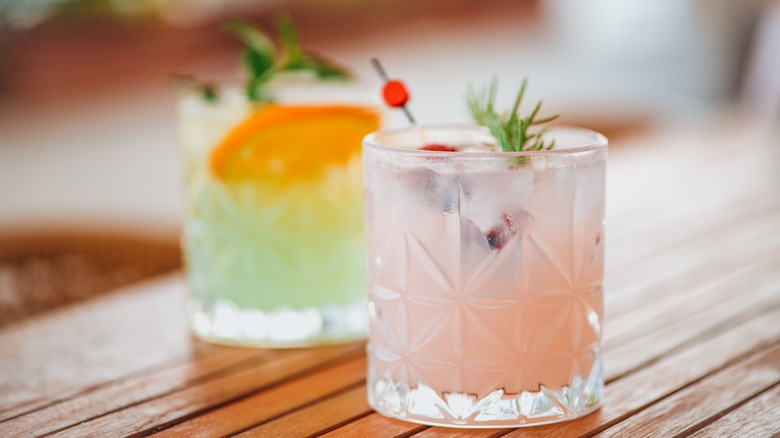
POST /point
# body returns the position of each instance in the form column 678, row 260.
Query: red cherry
column 500, row 234
column 496, row 237
column 509, row 220
column 395, row 93
column 438, row 147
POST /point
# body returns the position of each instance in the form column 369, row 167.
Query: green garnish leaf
column 209, row 93
column 259, row 57
column 293, row 55
column 296, row 59
column 207, row 90
column 262, row 63
column 509, row 130
column 480, row 103
column 324, row 68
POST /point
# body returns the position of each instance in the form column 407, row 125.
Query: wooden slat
column 631, row 237
column 44, row 267
column 377, row 426
column 672, row 167
column 625, row 244
column 652, row 315
column 691, row 327
column 701, row 225
column 759, row 417
column 443, row 432
column 684, row 187
column 692, row 263
column 704, row 399
column 133, row 390
column 635, row 392
column 55, row 355
column 271, row 403
column 194, row 400
column 327, row 414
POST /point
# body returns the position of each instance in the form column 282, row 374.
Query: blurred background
column 90, row 190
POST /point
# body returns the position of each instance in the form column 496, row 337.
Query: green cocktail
column 274, row 237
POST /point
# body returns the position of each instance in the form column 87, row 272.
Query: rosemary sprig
column 509, row 130
column 262, row 62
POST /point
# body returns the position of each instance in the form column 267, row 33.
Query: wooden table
column 692, row 332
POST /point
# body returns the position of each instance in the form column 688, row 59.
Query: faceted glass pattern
column 485, row 279
column 270, row 262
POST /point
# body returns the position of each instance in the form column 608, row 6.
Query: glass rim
column 598, row 141
column 235, row 87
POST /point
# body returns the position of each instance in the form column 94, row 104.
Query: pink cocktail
column 485, row 277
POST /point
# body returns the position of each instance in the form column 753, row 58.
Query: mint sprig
column 294, row 58
column 510, row 130
column 208, row 91
column 259, row 57
column 262, row 62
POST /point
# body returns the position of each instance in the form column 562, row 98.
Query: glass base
column 224, row 322
column 496, row 410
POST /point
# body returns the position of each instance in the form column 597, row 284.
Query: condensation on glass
column 485, row 278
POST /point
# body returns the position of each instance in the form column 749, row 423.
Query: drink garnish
column 263, row 64
column 500, row 234
column 394, row 91
column 396, row 95
column 439, row 148
column 207, row 90
column 510, row 130
column 277, row 143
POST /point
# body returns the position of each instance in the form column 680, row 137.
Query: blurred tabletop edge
column 692, row 340
column 44, row 266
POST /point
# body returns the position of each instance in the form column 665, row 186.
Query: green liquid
column 264, row 246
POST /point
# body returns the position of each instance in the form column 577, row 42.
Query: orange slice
column 291, row 143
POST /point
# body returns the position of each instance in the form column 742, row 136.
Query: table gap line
column 744, row 193
column 255, row 359
column 745, row 273
column 327, row 364
column 22, row 405
column 624, row 306
column 413, row 432
column 744, row 357
column 722, row 328
column 312, row 370
column 706, row 422
column 748, row 199
column 340, row 424
column 743, row 186
column 161, row 367
column 200, row 351
column 303, row 406
column 498, row 433
column 742, row 239
column 704, row 233
column 624, row 300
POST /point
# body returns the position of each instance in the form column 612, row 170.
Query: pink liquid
column 485, row 286
column 462, row 325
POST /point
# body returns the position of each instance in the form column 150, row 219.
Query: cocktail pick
column 395, row 94
column 394, row 91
